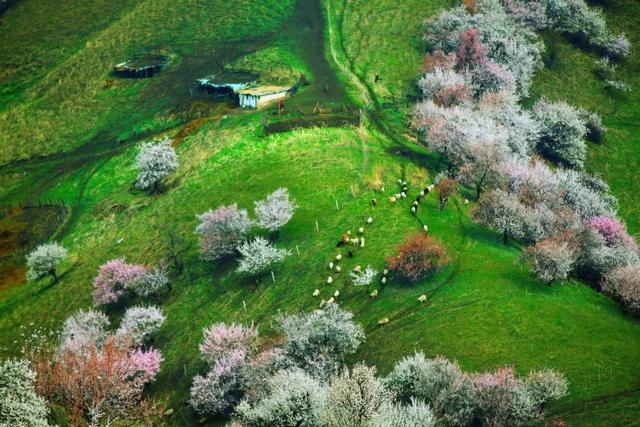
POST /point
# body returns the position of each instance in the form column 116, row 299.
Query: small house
column 141, row 66
column 259, row 96
column 226, row 85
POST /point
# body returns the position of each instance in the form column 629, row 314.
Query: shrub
column 354, row 398
column 139, row 323
column 455, row 405
column 363, row 277
column 598, row 257
column 44, row 260
column 611, row 230
column 551, row 259
column 438, row 59
column 528, row 13
column 319, row 341
column 150, row 282
column 275, row 211
column 618, row 46
column 471, row 52
column 544, row 386
column 221, row 388
column 421, row 378
column 19, row 403
column 258, row 255
column 595, row 128
column 562, row 132
column 483, row 168
column 415, row 414
column 445, row 87
column 221, row 340
column 83, row 328
column 604, row 68
column 623, row 284
column 446, row 188
column 97, row 385
column 222, row 230
column 419, row 256
column 501, row 399
column 294, row 400
column 113, row 279
column 491, row 77
column 155, row 162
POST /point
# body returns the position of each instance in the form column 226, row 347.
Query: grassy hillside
column 484, row 309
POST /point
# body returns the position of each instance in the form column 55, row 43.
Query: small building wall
column 248, row 101
column 264, row 99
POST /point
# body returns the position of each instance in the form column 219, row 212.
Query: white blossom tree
column 139, row 323
column 19, row 404
column 258, row 255
column 155, row 161
column 44, row 260
column 274, row 211
column 551, row 259
column 151, row 282
column 84, row 328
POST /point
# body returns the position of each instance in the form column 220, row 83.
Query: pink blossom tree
column 222, row 230
column 114, row 277
column 471, row 52
column 221, row 339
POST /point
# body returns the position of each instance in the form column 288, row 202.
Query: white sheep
column 331, row 266
column 399, row 181
column 383, row 321
column 338, row 269
column 362, row 242
column 383, row 280
column 331, row 300
column 403, row 195
column 336, row 294
column 431, row 187
column 374, row 293
column 397, row 195
column 382, row 189
column 355, row 240
column 330, row 280
column 413, row 210
column 369, row 220
column 422, row 298
column 404, row 183
column 425, row 227
column 338, row 257
column 357, row 268
column 415, row 203
column 361, row 230
column 322, row 303
column 393, row 199
column 466, row 201
column 316, row 292
column 422, row 193
column 385, row 272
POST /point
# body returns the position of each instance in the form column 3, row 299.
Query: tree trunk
column 505, row 238
column 478, row 191
column 55, row 277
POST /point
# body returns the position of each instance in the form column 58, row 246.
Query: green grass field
column 484, row 309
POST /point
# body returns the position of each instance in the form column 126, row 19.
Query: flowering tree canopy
column 222, row 230
column 19, row 403
column 259, row 255
column 155, row 161
column 275, row 211
column 44, row 260
column 83, row 328
column 139, row 323
column 419, row 256
column 114, row 277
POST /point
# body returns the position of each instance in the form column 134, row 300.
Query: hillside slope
column 484, row 310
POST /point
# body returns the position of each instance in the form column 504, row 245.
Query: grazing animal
column 413, row 210
column 382, row 189
column 369, row 220
column 425, row 227
column 385, row 272
column 399, row 181
column 316, row 292
column 384, row 321
column 383, row 280
column 374, row 293
column 422, row 193
column 330, row 280
column 336, row 294
column 331, row 300
column 338, row 269
column 466, row 201
column 403, row 195
column 361, row 230
column 431, row 187
column 341, row 243
column 422, row 298
column 331, row 266
column 362, row 242
column 393, row 199
column 374, row 202
column 357, row 268
column 338, row 257
column 322, row 303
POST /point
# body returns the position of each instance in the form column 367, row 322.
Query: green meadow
column 69, row 133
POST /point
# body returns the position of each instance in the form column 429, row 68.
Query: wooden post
column 297, row 250
column 317, row 227
column 273, row 277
